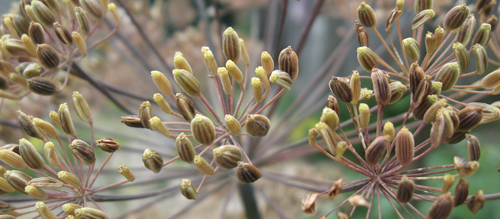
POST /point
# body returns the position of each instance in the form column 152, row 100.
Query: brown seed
column 309, row 204
column 473, row 147
column 132, row 121
column 203, row 130
column 448, row 75
column 63, row 34
column 423, row 89
column 83, row 20
column 333, row 104
column 27, row 125
column 145, row 114
column 36, row 33
column 466, row 32
column 366, row 15
column 30, row 155
column 43, row 86
column 341, row 89
column 185, row 148
column 455, row 17
column 328, row 136
column 93, row 8
column 247, row 173
column 476, row 202
column 188, row 190
column 231, row 45
column 442, row 128
column 421, row 5
column 405, row 190
column 48, row 56
column 108, row 145
column 417, row 74
column 456, row 138
column 469, row 117
column 83, row 151
column 335, row 188
column 227, row 156
column 257, row 125
column 185, row 106
column 17, row 179
column 441, row 207
column 395, row 13
column 367, row 58
column 461, row 192
column 376, row 150
column 288, row 62
column 152, row 160
column 45, row 182
column 483, row 35
column 404, row 143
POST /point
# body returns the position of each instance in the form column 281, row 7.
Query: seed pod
column 247, row 173
column 210, row 62
column 90, row 213
column 421, row 5
column 83, row 20
column 27, row 125
column 257, row 89
column 42, row 86
column 288, row 62
column 473, row 147
column 355, row 84
column 466, row 32
column 333, row 104
column 455, row 17
column 412, row 49
column 397, row 89
column 476, row 202
column 261, row 73
column 51, row 155
column 465, row 168
column 492, row 21
column 47, row 56
column 364, row 115
column 328, row 136
column 185, row 148
column 456, row 138
column 42, row 210
column 423, row 90
column 82, row 108
column 132, row 121
column 441, row 207
column 469, row 117
column 366, row 15
column 158, row 125
column 448, row 75
column 152, row 160
column 335, row 189
column 234, row 71
column 11, row 147
column 358, row 200
column 145, row 114
column 158, row 98
column 405, row 190
column 225, row 80
column 281, row 78
column 108, row 145
column 187, row 82
column 187, row 190
column 491, row 80
column 93, row 8
column 430, row 43
column 185, row 106
column 15, row 47
column 21, row 24
column 181, row 63
column 483, row 35
column 27, row 11
column 45, row 182
column 448, row 181
column 79, row 43
column 388, row 129
column 203, row 130
column 5, row 187
column 416, row 75
column 43, row 13
column 12, row 159
column 257, row 125
column 267, row 62
column 376, row 150
column 83, row 151
column 461, row 192
column 30, row 155
column 125, row 171
column 381, row 87
column 5, row 209
column 69, row 208
column 462, row 56
column 227, row 156
column 367, row 58
column 421, row 109
column 203, row 166
column 421, row 18
column 481, row 58
column 341, row 89
column 32, row 70
column 231, row 45
column 63, row 34
column 363, row 37
column 489, row 112
column 232, row 124
column 28, row 45
column 430, row 114
column 114, row 11
column 17, row 179
column 309, row 204
column 442, row 129
column 36, row 193
column 330, row 117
